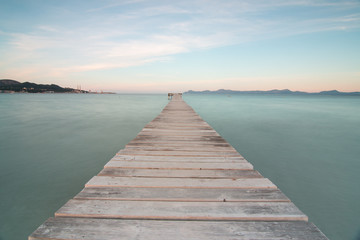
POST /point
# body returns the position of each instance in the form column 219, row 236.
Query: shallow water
column 52, row 144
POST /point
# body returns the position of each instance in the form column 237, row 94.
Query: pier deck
column 178, row 179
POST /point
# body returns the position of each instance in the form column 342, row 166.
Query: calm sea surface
column 52, row 144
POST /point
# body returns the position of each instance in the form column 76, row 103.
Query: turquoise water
column 308, row 146
column 52, row 144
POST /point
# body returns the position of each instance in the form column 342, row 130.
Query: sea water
column 52, row 144
column 309, row 146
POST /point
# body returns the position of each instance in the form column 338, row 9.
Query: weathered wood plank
column 177, row 127
column 177, row 133
column 175, row 153
column 180, row 110
column 178, row 116
column 203, row 139
column 204, row 144
column 115, row 229
column 243, row 183
column 173, row 141
column 179, row 144
column 179, row 159
column 162, row 118
column 181, row 148
column 179, row 121
column 174, row 146
column 161, row 173
column 156, row 131
column 183, row 194
column 251, row 211
column 182, row 166
column 184, row 157
column 180, row 134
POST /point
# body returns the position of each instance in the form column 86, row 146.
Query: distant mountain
column 275, row 91
column 8, row 82
column 8, row 85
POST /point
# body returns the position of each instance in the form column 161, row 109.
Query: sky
column 173, row 46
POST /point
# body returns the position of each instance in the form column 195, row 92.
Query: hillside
column 28, row 87
column 8, row 82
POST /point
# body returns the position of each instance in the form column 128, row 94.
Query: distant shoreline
column 13, row 86
column 277, row 92
column 87, row 93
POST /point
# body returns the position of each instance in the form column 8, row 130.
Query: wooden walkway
column 178, row 179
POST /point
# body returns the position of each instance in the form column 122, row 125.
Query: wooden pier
column 178, row 179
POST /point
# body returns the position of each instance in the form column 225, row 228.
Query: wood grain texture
column 251, row 183
column 176, row 165
column 179, row 139
column 181, row 148
column 252, row 211
column 167, row 173
column 183, row 144
column 115, row 229
column 180, row 159
column 183, row 194
column 176, row 153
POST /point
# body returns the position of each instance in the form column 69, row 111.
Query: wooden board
column 176, row 141
column 251, row 183
column 175, row 165
column 183, row 194
column 161, row 147
column 207, row 158
column 176, row 153
column 158, row 142
column 202, row 139
column 179, row 159
column 171, row 130
column 178, row 134
column 178, row 127
column 252, row 211
column 182, row 144
column 168, row 119
column 166, row 173
column 115, row 229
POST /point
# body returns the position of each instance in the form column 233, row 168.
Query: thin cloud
column 48, row 28
column 103, row 66
column 114, row 4
column 149, row 32
column 30, row 42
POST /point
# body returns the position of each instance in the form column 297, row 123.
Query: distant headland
column 13, row 86
column 275, row 91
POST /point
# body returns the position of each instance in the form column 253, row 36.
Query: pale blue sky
column 163, row 46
